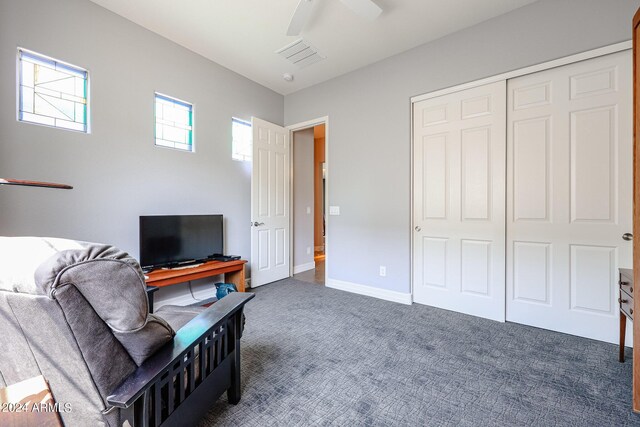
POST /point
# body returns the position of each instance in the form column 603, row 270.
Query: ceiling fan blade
column 300, row 17
column 365, row 8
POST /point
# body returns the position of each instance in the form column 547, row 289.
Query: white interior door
column 270, row 201
column 459, row 201
column 569, row 195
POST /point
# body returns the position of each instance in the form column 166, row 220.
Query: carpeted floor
column 319, row 356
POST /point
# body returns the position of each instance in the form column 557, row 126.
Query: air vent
column 300, row 53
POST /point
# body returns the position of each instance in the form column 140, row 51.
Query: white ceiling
column 243, row 35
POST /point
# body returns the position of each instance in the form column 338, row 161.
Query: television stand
column 233, row 273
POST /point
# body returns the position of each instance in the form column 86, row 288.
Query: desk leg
column 236, row 277
column 150, row 291
column 623, row 331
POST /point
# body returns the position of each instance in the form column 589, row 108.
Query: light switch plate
column 308, row 210
column 334, row 210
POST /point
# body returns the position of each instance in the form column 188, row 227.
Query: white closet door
column 569, row 195
column 459, row 201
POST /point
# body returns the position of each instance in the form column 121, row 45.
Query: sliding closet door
column 569, row 195
column 459, row 201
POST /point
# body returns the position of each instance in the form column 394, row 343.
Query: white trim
column 304, row 267
column 370, row 291
column 309, row 124
column 589, row 54
column 183, row 300
column 411, row 204
column 300, row 126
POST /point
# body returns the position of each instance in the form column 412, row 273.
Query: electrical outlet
column 383, row 271
column 308, row 250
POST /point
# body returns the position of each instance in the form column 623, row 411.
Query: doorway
column 309, row 199
column 319, row 194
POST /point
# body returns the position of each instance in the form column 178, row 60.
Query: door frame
column 636, row 214
column 589, row 54
column 294, row 128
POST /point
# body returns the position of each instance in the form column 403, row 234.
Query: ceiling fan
column 365, row 8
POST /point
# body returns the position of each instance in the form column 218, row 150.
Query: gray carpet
column 319, row 356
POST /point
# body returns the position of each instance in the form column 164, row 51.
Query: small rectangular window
column 241, row 144
column 174, row 123
column 51, row 92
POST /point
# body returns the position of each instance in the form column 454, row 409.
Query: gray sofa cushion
column 21, row 256
column 178, row 316
column 107, row 359
column 53, row 348
column 114, row 288
column 144, row 342
column 108, row 279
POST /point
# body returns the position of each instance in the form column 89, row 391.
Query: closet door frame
column 594, row 53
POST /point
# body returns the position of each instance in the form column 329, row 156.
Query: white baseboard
column 369, row 291
column 304, row 267
column 183, row 299
column 181, row 295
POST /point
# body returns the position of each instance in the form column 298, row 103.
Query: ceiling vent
column 300, row 53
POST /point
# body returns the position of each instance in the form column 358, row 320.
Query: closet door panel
column 459, row 201
column 569, row 194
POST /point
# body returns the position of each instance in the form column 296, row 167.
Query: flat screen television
column 170, row 240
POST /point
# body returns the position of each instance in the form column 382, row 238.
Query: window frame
column 178, row 101
column 233, row 152
column 73, row 68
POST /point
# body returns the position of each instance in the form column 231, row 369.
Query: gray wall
column 369, row 120
column 117, row 172
column 303, row 149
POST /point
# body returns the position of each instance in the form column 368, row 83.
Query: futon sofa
column 77, row 314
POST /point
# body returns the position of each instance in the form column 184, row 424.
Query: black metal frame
column 179, row 383
column 150, row 291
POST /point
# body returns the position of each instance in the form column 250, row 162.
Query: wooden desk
column 625, row 300
column 233, row 273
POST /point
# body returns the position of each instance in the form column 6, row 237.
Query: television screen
column 172, row 239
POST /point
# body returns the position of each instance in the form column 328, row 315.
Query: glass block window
column 52, row 93
column 174, row 123
column 241, row 145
